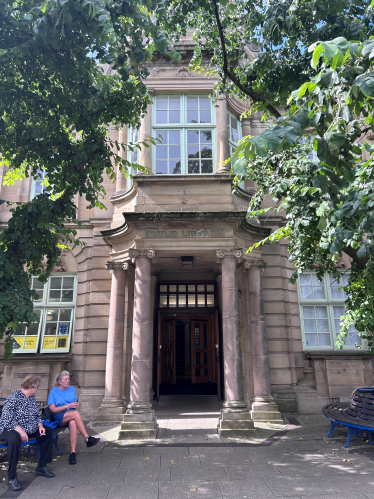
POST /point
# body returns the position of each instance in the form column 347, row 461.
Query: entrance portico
column 187, row 328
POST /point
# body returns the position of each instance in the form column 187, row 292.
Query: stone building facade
column 163, row 298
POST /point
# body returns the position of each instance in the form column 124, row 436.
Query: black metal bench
column 357, row 415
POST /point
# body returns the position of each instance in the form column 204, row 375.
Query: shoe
column 14, row 484
column 91, row 441
column 72, row 458
column 44, row 472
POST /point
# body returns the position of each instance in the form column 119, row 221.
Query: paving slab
column 351, row 484
column 240, row 489
column 187, row 490
column 185, row 461
column 134, row 491
column 49, row 492
column 203, row 474
column 90, row 492
column 306, row 486
column 146, row 475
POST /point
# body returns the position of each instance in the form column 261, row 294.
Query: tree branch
column 362, row 262
column 254, row 96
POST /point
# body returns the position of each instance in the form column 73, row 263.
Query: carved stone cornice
column 254, row 263
column 142, row 253
column 223, row 253
column 113, row 265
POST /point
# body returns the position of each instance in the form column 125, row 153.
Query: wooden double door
column 188, row 349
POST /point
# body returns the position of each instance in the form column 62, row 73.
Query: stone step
column 134, row 425
column 145, row 416
column 138, row 434
column 273, row 417
column 232, row 425
column 108, row 418
column 111, row 410
column 234, row 416
column 225, row 433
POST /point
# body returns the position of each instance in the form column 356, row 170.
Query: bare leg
column 73, row 435
column 75, row 416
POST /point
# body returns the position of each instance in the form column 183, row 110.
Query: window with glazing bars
column 186, row 295
column 186, row 127
column 321, row 307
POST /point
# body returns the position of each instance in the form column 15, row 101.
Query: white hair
column 59, row 376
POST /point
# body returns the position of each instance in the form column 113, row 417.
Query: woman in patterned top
column 20, row 420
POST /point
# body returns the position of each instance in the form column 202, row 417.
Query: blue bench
column 32, row 444
column 357, row 415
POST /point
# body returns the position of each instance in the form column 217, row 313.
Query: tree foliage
column 328, row 199
column 56, row 103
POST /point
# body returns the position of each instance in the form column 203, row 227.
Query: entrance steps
column 140, row 426
column 109, row 414
column 266, row 411
column 236, row 425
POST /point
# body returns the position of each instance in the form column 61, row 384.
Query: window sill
column 40, row 357
column 353, row 354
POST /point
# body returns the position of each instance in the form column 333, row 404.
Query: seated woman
column 63, row 403
column 20, row 421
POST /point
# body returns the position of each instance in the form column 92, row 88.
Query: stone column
column 263, row 407
column 222, row 136
column 112, row 407
column 235, row 419
column 139, row 420
column 145, row 133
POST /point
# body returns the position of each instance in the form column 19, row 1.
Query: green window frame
column 55, row 309
column 187, row 125
column 321, row 306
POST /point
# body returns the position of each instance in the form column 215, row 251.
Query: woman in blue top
column 63, row 403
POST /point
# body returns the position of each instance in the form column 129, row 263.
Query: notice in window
column 49, row 343
column 64, row 328
column 18, row 342
column 62, row 342
column 30, row 343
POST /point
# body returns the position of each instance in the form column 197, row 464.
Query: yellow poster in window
column 30, row 343
column 18, row 342
column 49, row 342
column 62, row 342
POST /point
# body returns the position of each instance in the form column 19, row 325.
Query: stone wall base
column 236, row 425
column 110, row 412
column 286, row 400
column 140, row 426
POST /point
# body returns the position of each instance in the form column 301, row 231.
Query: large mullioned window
column 186, row 124
column 321, row 307
column 55, row 310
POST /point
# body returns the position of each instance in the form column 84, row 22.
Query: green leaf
column 316, row 56
column 329, row 49
column 361, row 253
column 366, row 84
column 342, row 44
column 322, row 224
column 368, row 48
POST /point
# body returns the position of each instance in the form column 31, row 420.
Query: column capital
column 248, row 264
column 142, row 252
column 113, row 265
column 223, row 253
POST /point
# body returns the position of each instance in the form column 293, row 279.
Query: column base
column 235, row 421
column 111, row 411
column 264, row 409
column 138, row 426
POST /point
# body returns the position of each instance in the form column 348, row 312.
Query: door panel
column 168, row 352
column 201, row 350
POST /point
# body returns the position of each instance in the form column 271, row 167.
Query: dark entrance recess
column 187, row 355
column 184, row 385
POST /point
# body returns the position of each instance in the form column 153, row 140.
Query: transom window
column 186, row 124
column 55, row 310
column 187, row 295
column 321, row 307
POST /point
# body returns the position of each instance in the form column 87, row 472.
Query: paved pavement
column 189, row 461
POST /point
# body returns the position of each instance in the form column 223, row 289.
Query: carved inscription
column 181, row 233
